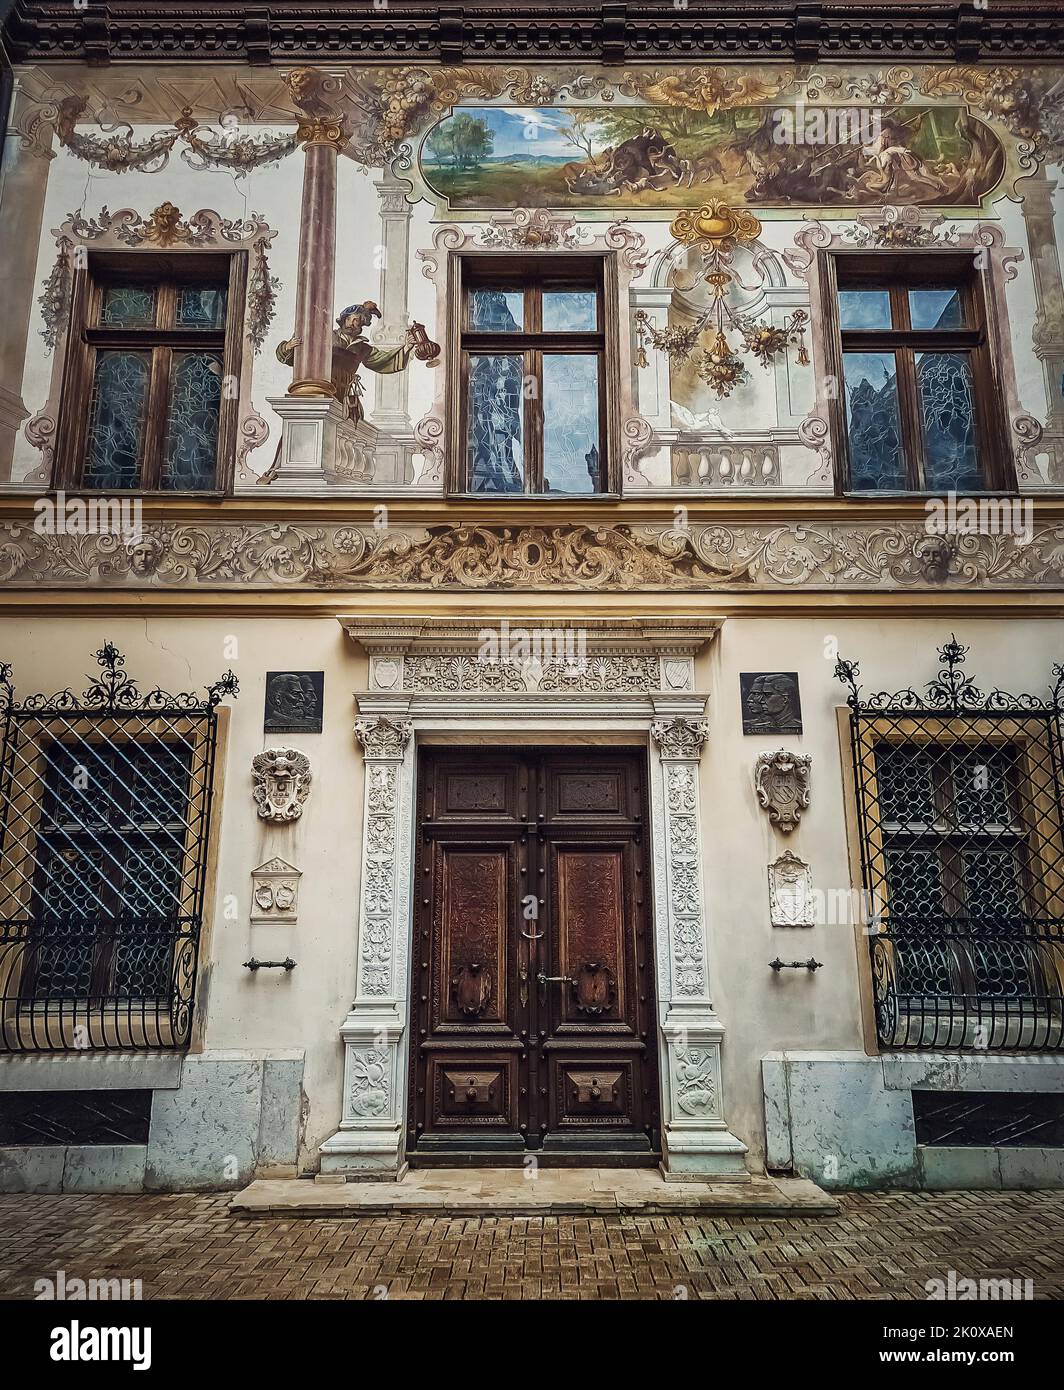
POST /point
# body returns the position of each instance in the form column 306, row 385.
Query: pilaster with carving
column 374, row 1032
column 696, row 1139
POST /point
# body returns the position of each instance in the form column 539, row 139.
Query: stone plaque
column 770, row 702
column 294, row 701
column 790, row 891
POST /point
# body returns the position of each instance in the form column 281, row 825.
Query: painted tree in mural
column 464, row 141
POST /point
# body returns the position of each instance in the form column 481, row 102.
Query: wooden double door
column 533, row 975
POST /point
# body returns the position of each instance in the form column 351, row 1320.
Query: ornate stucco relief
column 781, row 780
column 281, row 780
column 720, row 555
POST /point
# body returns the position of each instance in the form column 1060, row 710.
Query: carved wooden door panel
column 533, row 975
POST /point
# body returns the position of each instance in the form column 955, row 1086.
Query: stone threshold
column 507, row 1191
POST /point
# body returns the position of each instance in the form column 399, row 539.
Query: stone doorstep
column 483, row 1191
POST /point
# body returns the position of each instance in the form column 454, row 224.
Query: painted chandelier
column 715, row 230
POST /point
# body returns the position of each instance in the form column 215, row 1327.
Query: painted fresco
column 497, row 157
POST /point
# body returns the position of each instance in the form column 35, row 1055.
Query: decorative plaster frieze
column 772, row 556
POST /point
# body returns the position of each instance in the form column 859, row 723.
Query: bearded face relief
column 293, row 702
column 770, row 702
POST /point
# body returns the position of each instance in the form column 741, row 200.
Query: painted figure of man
column 352, row 350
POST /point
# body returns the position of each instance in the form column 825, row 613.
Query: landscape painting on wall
column 499, row 157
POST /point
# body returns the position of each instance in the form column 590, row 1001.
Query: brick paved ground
column 880, row 1246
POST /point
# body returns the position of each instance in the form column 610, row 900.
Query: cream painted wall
column 304, row 1009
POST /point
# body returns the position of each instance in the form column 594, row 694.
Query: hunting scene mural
column 496, row 157
column 706, row 182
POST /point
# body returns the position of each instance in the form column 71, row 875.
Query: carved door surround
column 635, row 686
column 532, row 983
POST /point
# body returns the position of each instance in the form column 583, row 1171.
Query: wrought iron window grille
column 105, row 812
column 960, row 817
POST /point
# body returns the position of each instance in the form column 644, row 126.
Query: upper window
column 146, row 395
column 917, row 400
column 532, row 376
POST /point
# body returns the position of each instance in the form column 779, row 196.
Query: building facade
column 464, row 485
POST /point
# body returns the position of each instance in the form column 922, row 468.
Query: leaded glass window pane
column 200, row 307
column 947, row 415
column 570, row 311
column 873, row 421
column 931, row 309
column 496, row 423
column 128, row 306
column 982, row 793
column 192, row 428
column 570, row 423
column 117, row 414
column 864, row 309
column 906, row 786
column 498, row 311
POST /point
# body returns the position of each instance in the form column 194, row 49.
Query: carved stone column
column 696, row 1140
column 25, row 187
column 374, row 1033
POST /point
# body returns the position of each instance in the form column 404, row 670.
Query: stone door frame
column 636, row 686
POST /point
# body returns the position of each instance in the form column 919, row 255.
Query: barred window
column 955, row 856
column 105, row 813
column 960, row 820
column 109, row 876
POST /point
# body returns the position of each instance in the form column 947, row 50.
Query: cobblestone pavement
column 880, row 1246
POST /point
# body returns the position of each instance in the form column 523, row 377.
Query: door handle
column 554, row 979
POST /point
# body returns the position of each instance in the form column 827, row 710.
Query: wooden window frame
column 531, row 275
column 899, row 272
column 87, row 336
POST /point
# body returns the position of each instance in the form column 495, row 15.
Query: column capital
column 384, row 738
column 680, row 738
column 322, row 130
